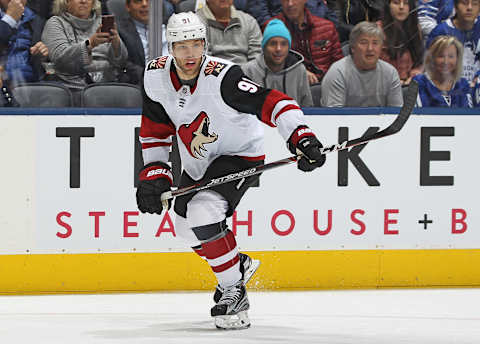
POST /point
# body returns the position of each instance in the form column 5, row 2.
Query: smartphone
column 107, row 22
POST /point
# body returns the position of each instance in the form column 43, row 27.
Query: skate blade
column 251, row 270
column 239, row 321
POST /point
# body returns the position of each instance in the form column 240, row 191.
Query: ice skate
column 248, row 267
column 230, row 312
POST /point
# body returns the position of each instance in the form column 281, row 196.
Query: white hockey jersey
column 219, row 115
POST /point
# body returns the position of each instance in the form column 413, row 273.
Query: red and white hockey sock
column 222, row 256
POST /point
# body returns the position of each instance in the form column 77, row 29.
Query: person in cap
column 278, row 66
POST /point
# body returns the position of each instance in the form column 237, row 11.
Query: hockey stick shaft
column 393, row 128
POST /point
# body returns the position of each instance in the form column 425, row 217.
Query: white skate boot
column 248, row 267
column 230, row 312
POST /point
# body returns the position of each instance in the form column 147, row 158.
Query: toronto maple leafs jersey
column 430, row 96
column 471, row 44
column 220, row 115
column 432, row 12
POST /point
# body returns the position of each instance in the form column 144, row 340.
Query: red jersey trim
column 176, row 83
column 269, row 105
column 285, row 109
column 150, row 128
column 155, row 144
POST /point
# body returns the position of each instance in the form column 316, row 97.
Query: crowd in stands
column 331, row 53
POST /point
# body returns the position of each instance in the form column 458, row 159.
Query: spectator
column 433, row 12
column 266, row 9
column 352, row 12
column 20, row 31
column 133, row 30
column 313, row 37
column 194, row 5
column 81, row 53
column 442, row 84
column 278, row 67
column 168, row 7
column 361, row 79
column 403, row 46
column 231, row 34
column 466, row 27
column 476, row 90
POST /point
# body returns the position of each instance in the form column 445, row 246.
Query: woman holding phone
column 83, row 48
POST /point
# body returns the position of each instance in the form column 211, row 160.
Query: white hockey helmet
column 184, row 26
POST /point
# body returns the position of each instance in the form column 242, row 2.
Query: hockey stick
column 393, row 128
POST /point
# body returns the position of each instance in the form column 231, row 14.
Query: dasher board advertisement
column 413, row 190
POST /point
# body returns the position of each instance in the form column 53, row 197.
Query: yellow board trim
column 122, row 272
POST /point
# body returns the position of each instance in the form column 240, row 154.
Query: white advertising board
column 416, row 189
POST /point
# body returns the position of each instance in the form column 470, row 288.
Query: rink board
column 114, row 272
column 401, row 212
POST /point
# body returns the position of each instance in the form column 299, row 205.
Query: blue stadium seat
column 112, row 94
column 43, row 94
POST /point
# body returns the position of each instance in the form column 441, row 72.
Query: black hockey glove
column 303, row 141
column 155, row 179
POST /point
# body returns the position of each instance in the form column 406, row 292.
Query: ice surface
column 423, row 316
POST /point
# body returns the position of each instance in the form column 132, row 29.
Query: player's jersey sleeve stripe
column 150, row 128
column 156, row 139
column 155, row 144
column 283, row 109
column 273, row 104
column 269, row 105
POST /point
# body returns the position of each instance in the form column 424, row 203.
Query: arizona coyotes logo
column 214, row 68
column 195, row 135
column 158, row 63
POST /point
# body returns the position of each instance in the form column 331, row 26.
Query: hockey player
column 215, row 112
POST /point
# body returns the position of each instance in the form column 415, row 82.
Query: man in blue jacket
column 20, row 45
column 264, row 10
